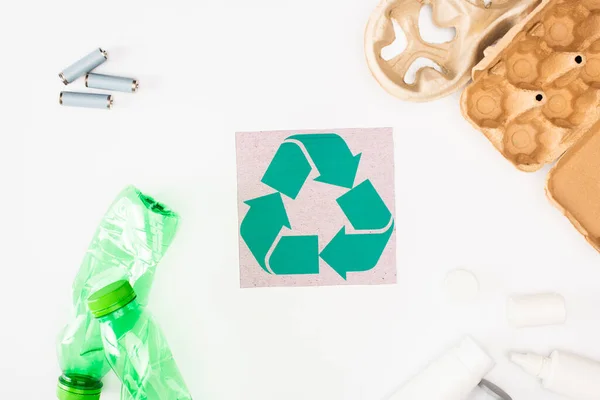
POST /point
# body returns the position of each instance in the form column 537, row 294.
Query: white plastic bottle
column 453, row 376
column 563, row 373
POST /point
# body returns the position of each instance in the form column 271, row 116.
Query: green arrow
column 296, row 255
column 332, row 157
column 355, row 253
column 288, row 170
column 262, row 224
column 364, row 208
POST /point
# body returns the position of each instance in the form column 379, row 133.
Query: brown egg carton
column 478, row 24
column 537, row 91
column 574, row 185
column 536, row 96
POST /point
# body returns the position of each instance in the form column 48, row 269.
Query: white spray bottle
column 453, row 376
column 563, row 373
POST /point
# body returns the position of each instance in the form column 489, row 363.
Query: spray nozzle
column 533, row 364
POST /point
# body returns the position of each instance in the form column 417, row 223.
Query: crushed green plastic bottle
column 135, row 346
column 131, row 239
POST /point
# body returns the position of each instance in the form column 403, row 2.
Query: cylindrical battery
column 88, row 100
column 109, row 82
column 83, row 66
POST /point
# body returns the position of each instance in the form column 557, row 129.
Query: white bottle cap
column 533, row 364
column 461, row 286
column 474, row 358
column 536, row 310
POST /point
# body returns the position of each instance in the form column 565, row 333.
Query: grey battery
column 109, row 82
column 88, row 100
column 83, row 66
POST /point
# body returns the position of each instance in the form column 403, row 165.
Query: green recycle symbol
column 362, row 205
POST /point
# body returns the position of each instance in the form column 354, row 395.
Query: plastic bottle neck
column 546, row 368
column 123, row 319
column 533, row 364
column 132, row 307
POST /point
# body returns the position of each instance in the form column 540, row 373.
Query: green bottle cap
column 78, row 387
column 111, row 298
column 155, row 206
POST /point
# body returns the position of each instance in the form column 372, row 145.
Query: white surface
column 533, row 310
column 207, row 69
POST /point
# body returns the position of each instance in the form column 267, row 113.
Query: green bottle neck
column 123, row 319
column 78, row 387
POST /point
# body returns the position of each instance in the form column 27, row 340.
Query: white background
column 207, row 69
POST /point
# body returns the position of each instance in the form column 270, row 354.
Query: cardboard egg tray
column 536, row 96
column 574, row 185
column 477, row 23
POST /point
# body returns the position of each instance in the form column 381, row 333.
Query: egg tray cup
column 536, row 96
column 477, row 25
